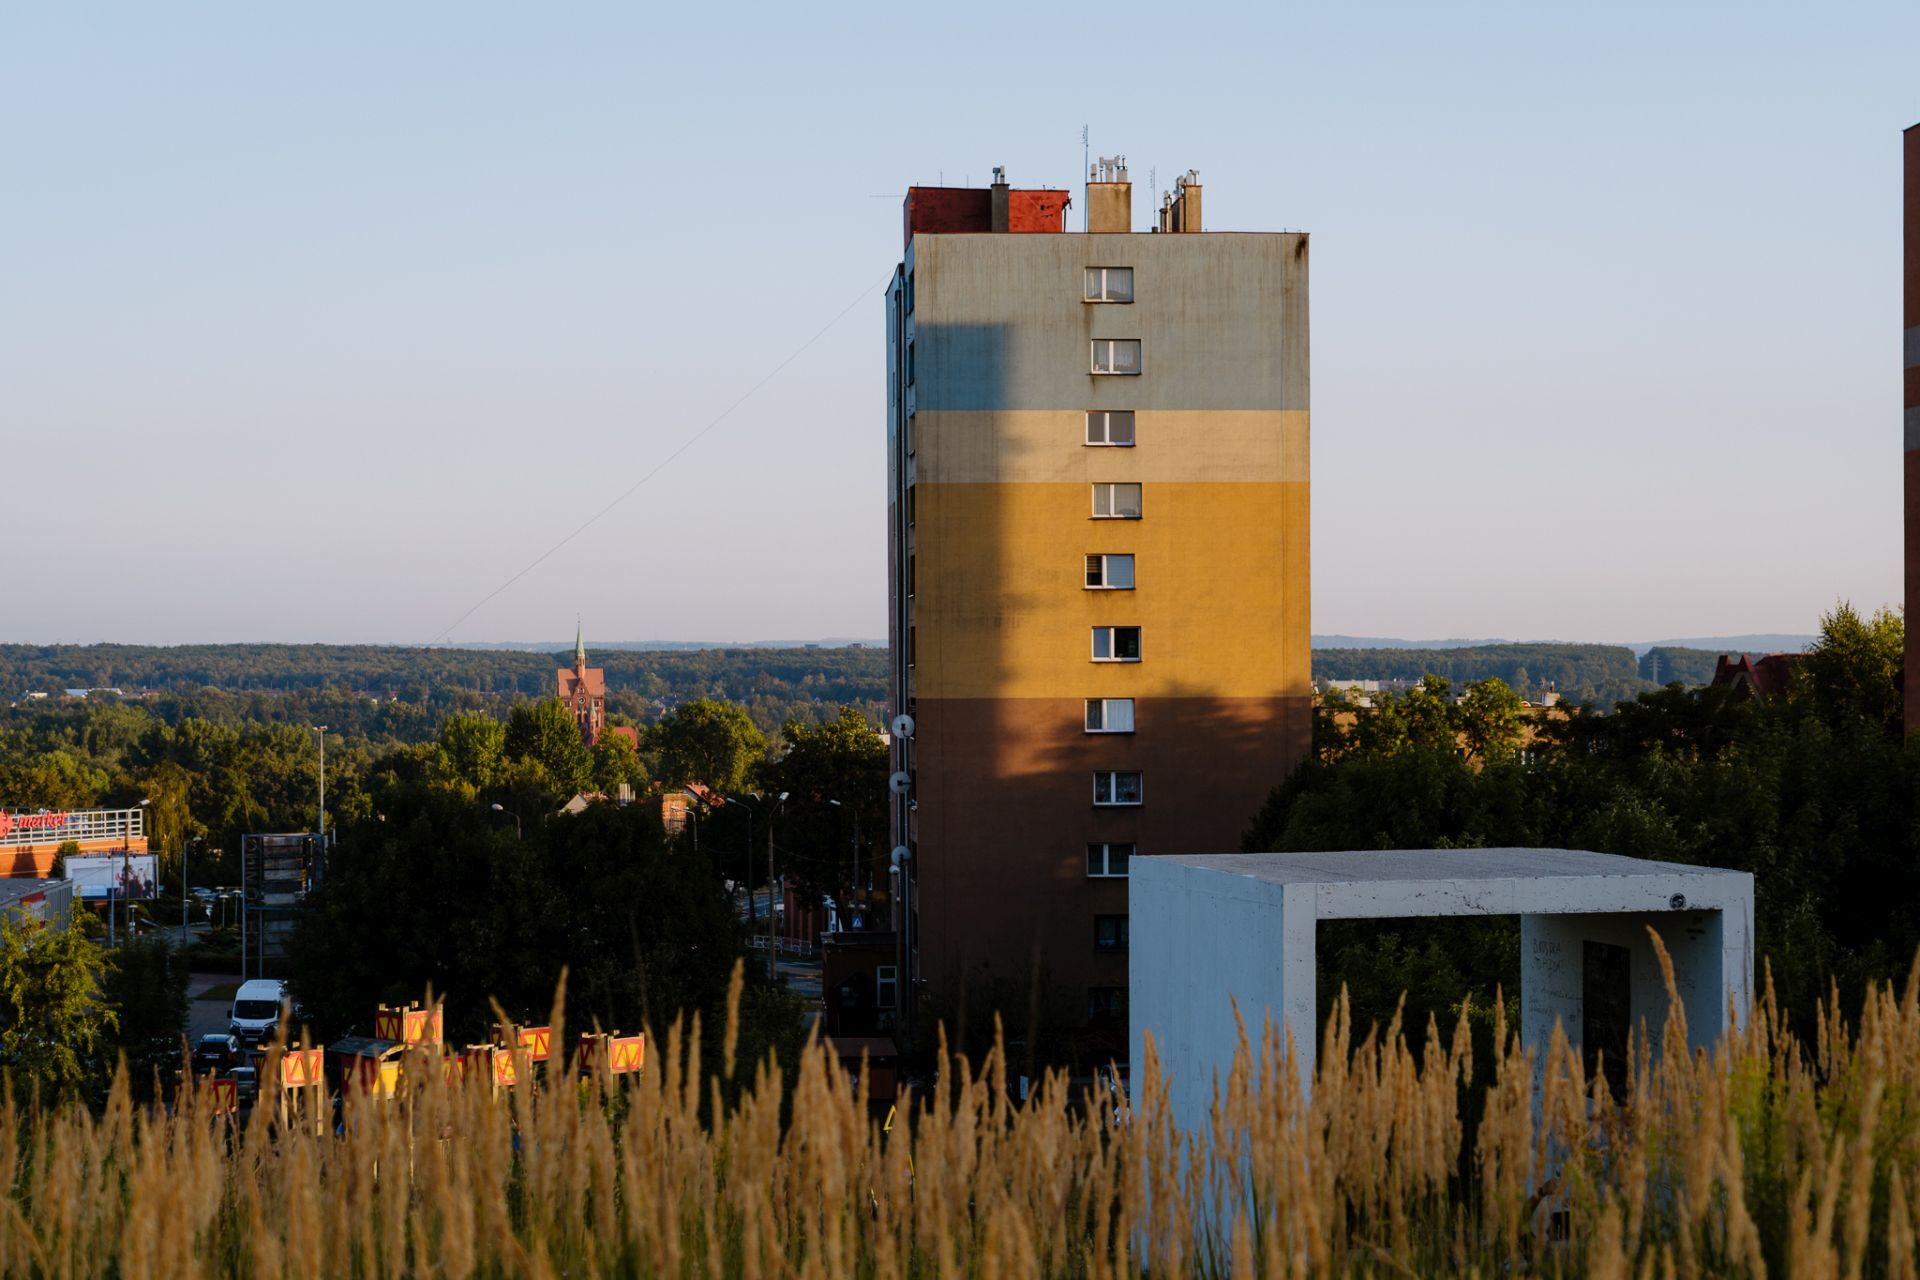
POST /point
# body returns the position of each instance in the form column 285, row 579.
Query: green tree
column 842, row 759
column 641, row 924
column 1817, row 796
column 707, row 741
column 545, row 733
column 1491, row 720
column 54, row 1015
column 1853, row 671
column 146, row 984
column 617, row 760
column 473, row 748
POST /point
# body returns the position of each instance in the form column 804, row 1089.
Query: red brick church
column 584, row 690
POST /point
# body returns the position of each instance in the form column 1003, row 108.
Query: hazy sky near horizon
column 320, row 323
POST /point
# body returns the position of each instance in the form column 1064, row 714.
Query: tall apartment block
column 1911, row 349
column 1097, row 464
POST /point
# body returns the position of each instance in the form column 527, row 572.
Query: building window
column 910, row 568
column 1106, row 1006
column 1108, row 861
column 909, row 293
column 1109, row 284
column 909, row 434
column 1109, row 715
column 1114, row 789
column 1109, row 573
column 1110, row 355
column 1116, row 502
column 1110, row 427
column 909, row 363
column 1110, row 934
column 886, row 986
column 1116, row 644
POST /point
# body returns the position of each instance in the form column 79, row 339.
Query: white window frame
column 1102, row 714
column 1106, row 848
column 1103, row 348
column 1110, row 490
column 1106, row 571
column 1105, row 417
column 1098, row 285
column 1113, row 777
column 886, row 986
column 1112, row 636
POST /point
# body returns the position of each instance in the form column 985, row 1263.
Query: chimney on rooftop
column 1180, row 211
column 1109, row 197
column 1001, row 199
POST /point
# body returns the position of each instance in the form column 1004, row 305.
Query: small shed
column 1212, row 929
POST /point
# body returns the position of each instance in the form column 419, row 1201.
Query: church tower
column 584, row 690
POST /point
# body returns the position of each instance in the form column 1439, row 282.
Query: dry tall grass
column 1765, row 1157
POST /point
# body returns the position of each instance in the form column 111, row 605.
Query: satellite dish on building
column 898, row 782
column 900, row 854
column 903, row 726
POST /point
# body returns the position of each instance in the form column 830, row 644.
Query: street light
column 771, row 951
column 693, row 815
column 199, row 840
column 750, row 811
column 113, row 886
column 853, row 865
column 511, row 814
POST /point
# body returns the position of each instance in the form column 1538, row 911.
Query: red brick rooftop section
column 1767, row 678
column 941, row 210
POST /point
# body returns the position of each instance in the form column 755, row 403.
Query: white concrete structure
column 1212, row 929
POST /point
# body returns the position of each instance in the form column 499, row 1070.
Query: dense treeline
column 1817, row 794
column 1667, row 664
column 1597, row 673
column 774, row 685
column 390, row 692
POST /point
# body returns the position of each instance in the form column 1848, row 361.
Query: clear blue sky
column 318, row 323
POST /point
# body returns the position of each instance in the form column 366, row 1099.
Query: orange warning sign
column 503, row 1073
column 536, row 1042
column 625, row 1053
column 408, row 1026
column 302, row 1067
column 223, row 1097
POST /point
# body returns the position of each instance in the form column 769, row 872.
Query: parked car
column 217, row 1053
column 246, row 1085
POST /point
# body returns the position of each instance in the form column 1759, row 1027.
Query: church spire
column 579, row 644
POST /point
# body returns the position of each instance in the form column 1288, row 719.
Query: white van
column 256, row 1009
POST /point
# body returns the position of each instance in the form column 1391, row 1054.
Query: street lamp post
column 113, row 886
column 199, row 840
column 853, row 864
column 511, row 814
column 749, row 808
column 772, row 947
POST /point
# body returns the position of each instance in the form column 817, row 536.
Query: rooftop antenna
column 1086, row 164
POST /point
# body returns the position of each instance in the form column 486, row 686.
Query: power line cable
column 446, row 632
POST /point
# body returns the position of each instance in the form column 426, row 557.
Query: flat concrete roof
column 1378, row 883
